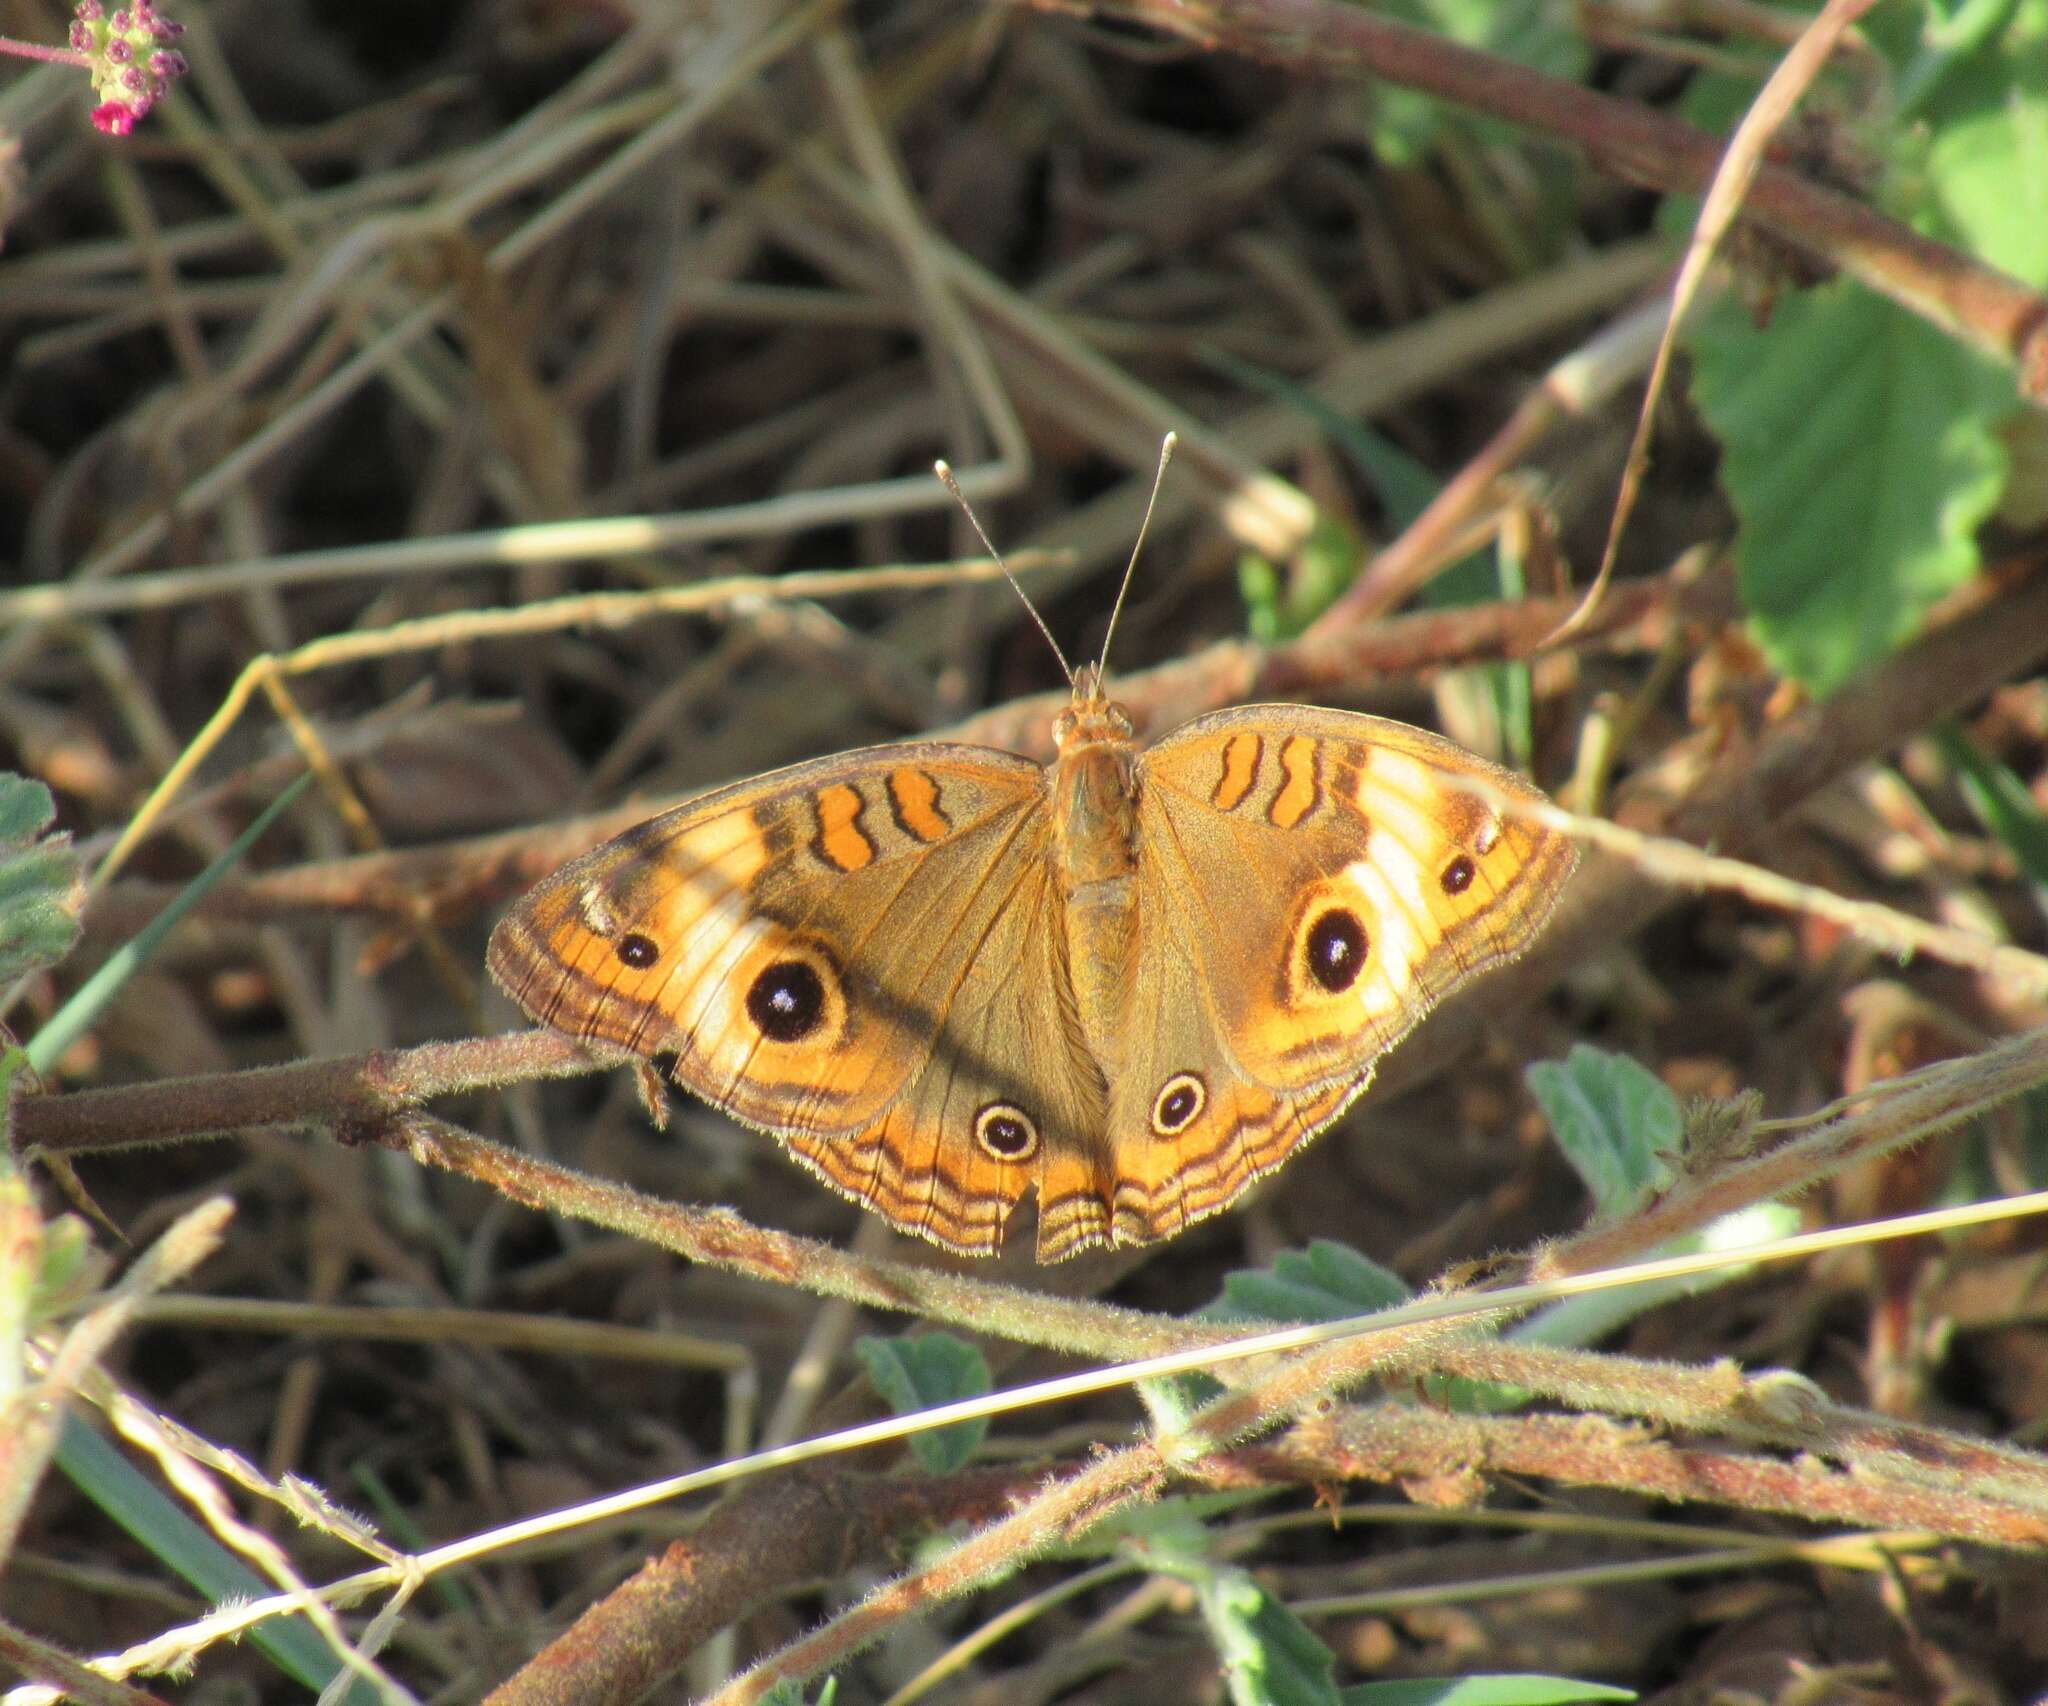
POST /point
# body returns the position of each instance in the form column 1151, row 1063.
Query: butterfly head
column 1093, row 719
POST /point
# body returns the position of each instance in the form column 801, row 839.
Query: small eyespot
column 787, row 1001
column 1006, row 1131
column 1336, row 946
column 637, row 951
column 1178, row 1105
column 1458, row 875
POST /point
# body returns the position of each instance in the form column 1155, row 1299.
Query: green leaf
column 1269, row 1656
column 41, row 896
column 922, row 1373
column 26, row 809
column 1975, row 85
column 1482, row 1691
column 1860, row 452
column 1326, row 1282
column 1617, row 1122
column 1625, row 1133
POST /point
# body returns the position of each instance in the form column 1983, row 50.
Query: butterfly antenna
column 945, row 472
column 1166, row 445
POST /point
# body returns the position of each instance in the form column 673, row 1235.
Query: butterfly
column 946, row 975
column 1130, row 981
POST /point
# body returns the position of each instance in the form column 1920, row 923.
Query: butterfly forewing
column 1343, row 867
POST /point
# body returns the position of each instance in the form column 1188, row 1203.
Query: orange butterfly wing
column 852, row 954
column 1312, row 883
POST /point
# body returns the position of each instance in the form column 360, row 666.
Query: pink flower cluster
column 128, row 53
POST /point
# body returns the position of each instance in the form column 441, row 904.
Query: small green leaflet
column 922, row 1373
column 1624, row 1131
column 1270, row 1658
column 1326, row 1282
column 1617, row 1122
column 40, row 893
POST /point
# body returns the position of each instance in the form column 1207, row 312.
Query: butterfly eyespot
column 1178, row 1105
column 1458, row 875
column 1335, row 948
column 1006, row 1131
column 787, row 1001
column 637, row 951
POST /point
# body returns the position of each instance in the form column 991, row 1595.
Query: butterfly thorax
column 1094, row 853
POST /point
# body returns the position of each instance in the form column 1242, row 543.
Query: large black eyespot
column 1178, row 1105
column 787, row 1001
column 1458, row 875
column 1006, row 1131
column 637, row 951
column 1336, row 948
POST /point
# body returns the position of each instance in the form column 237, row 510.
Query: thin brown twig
column 724, row 1239
column 1769, row 1409
column 357, row 1095
column 1723, row 201
column 1397, row 1445
column 1572, row 389
column 1062, row 1512
column 811, row 1523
